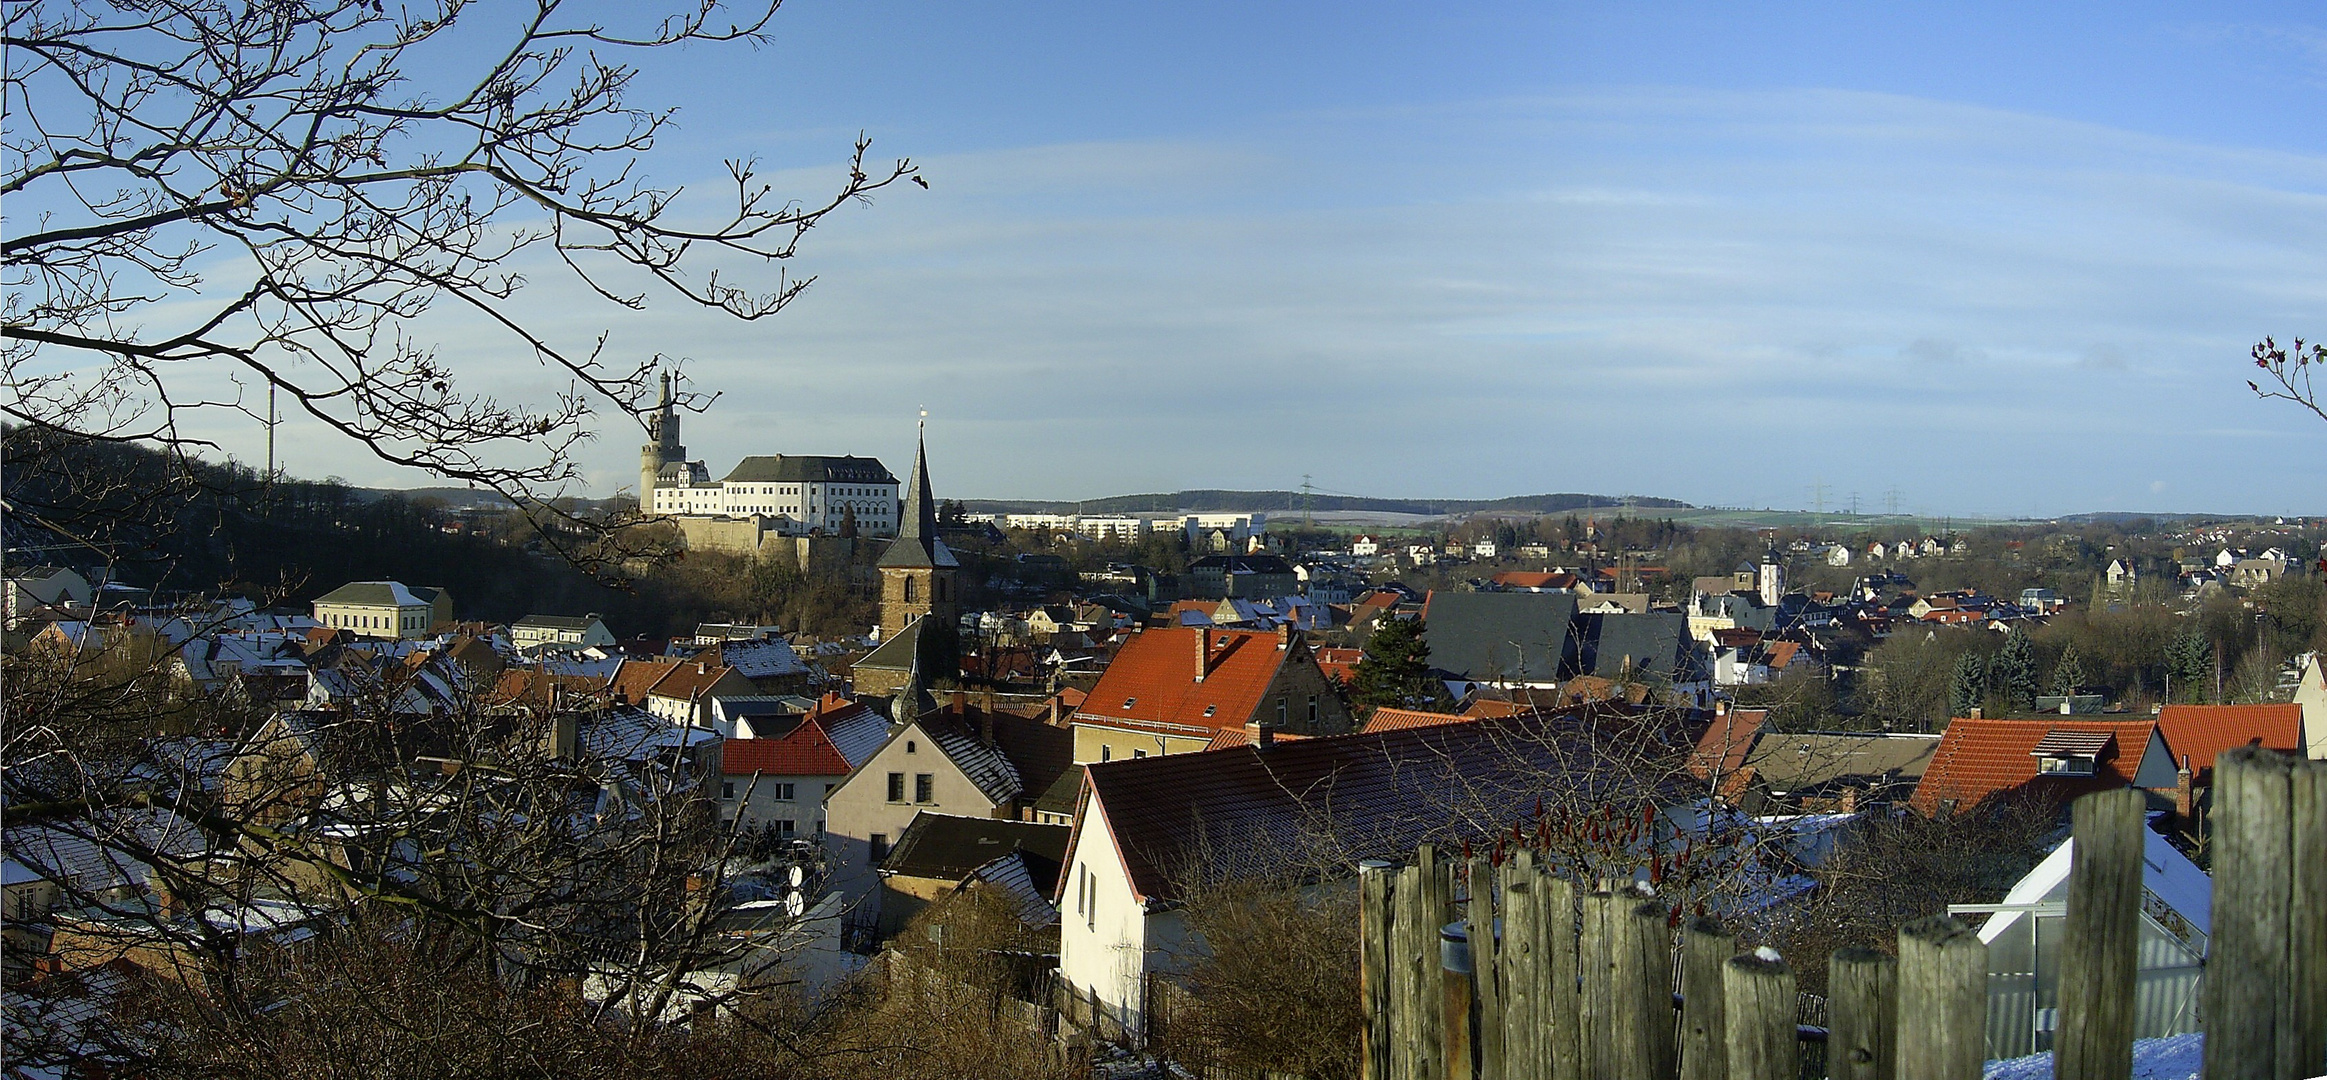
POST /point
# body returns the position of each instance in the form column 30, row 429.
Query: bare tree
column 217, row 204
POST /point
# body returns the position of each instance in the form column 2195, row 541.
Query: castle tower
column 917, row 577
column 662, row 431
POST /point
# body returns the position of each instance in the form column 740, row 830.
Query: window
column 924, row 787
column 727, row 790
column 1312, row 713
column 908, row 590
column 783, row 792
column 1280, row 714
column 828, row 791
column 1106, row 752
column 784, row 827
column 880, row 847
column 896, row 787
column 1082, row 889
column 909, row 747
column 1139, row 753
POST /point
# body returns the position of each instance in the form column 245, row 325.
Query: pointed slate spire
column 916, row 543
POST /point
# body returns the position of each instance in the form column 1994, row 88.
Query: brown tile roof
column 631, row 681
column 1235, row 736
column 1386, row 718
column 1153, row 680
column 1979, row 758
column 1339, row 663
column 2199, row 732
column 1246, row 810
column 687, row 680
column 1728, row 739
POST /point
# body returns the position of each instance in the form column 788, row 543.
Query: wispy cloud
column 1711, row 296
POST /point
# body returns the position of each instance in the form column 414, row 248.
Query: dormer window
column 2070, row 753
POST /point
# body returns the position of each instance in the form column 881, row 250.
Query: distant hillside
column 1294, row 502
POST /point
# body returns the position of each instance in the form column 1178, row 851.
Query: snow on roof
column 2166, row 874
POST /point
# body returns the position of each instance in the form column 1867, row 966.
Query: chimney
column 1262, row 735
column 1057, row 706
column 1721, row 708
column 1285, row 634
column 1203, row 653
column 2185, row 799
column 1975, row 712
column 986, row 727
column 961, row 702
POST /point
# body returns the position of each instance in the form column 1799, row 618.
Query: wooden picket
column 1478, row 971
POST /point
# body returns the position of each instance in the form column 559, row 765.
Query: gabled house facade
column 1170, row 690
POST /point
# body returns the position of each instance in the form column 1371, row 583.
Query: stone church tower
column 662, row 429
column 918, row 579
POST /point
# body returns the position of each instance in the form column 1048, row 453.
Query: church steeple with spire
column 918, row 588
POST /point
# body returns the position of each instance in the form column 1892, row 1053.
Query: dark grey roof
column 895, row 654
column 948, row 847
column 1060, row 797
column 1642, row 645
column 810, row 469
column 378, row 594
column 555, row 622
column 1243, row 564
column 1485, row 636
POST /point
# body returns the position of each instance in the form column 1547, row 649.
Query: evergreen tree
column 1395, row 670
column 1971, row 683
column 2015, row 671
column 2069, row 672
column 2189, row 664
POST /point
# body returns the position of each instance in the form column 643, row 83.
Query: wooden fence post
column 1704, row 1050
column 2308, row 908
column 1460, row 1007
column 1943, row 1001
column 1525, row 982
column 1486, row 969
column 1758, row 1017
column 1642, row 977
column 2246, row 963
column 1862, row 1012
column 1376, row 946
column 2100, row 953
column 1422, row 913
column 1595, row 962
column 1566, row 1058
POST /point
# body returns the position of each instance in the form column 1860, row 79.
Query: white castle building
column 801, row 493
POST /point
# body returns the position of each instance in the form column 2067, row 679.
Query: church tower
column 662, row 448
column 918, row 578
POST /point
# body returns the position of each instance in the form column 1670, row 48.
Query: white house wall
column 1104, row 932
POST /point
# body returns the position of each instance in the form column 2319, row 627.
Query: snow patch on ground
column 2174, row 1057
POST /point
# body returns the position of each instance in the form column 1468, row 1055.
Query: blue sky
column 2004, row 261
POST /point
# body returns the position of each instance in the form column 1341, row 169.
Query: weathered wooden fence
column 1530, row 977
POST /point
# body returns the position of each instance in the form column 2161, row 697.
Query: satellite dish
column 795, row 904
column 797, row 876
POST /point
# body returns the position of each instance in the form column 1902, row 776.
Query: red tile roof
column 2199, row 732
column 1153, row 680
column 804, row 751
column 1339, row 663
column 1978, row 758
column 1386, row 718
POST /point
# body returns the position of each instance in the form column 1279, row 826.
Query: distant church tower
column 917, row 578
column 662, row 429
column 1772, row 578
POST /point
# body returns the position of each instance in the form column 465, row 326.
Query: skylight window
column 1130, row 701
column 1210, row 709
